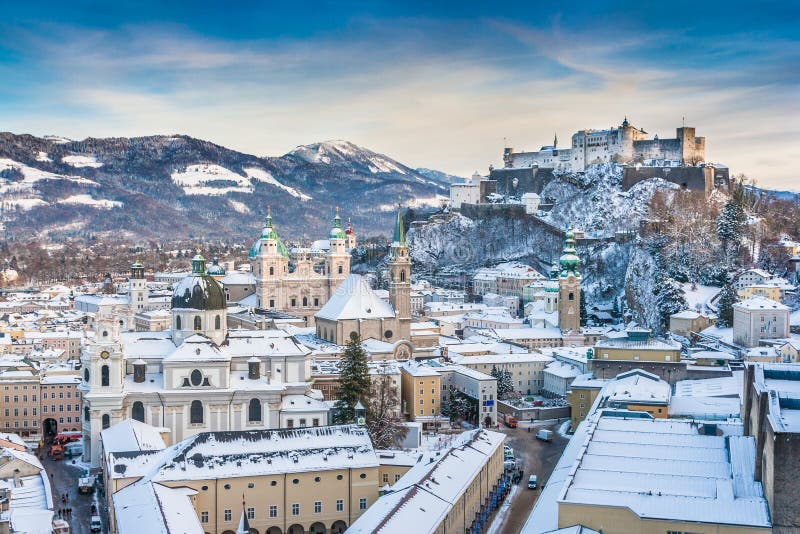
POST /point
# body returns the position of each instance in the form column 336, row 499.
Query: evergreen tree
column 727, row 299
column 669, row 299
column 729, row 226
column 354, row 382
column 506, row 385
column 583, row 312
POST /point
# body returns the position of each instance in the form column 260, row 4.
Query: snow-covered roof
column 197, row 348
column 519, row 357
column 760, row 303
column 132, row 435
column 637, row 387
column 516, row 334
column 238, row 278
column 354, row 299
column 154, row 508
column 665, row 469
column 424, row 496
column 562, row 370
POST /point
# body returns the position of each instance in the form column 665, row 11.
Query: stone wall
column 671, row 372
column 693, row 178
column 517, row 182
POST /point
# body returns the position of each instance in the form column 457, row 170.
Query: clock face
column 104, row 355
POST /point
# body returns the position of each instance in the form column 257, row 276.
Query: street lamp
column 360, row 413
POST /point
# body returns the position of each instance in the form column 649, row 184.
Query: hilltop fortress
column 680, row 160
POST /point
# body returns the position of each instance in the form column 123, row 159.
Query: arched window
column 104, row 376
column 198, row 323
column 196, row 413
column 402, row 276
column 217, row 322
column 106, row 421
column 137, row 411
column 571, row 295
column 254, row 411
column 271, row 271
column 340, row 269
column 305, row 301
column 86, row 413
column 178, row 322
column 85, row 374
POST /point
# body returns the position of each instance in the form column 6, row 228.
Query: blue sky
column 436, row 84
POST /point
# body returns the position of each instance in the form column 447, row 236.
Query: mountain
column 439, row 176
column 178, row 186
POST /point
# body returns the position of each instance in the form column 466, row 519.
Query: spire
column 244, row 524
column 399, row 232
column 555, row 140
column 269, row 230
column 336, row 231
column 569, row 261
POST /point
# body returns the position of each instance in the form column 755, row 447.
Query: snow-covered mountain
column 179, row 186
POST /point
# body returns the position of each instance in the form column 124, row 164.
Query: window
column 290, row 423
column 362, row 503
column 315, row 422
column 583, row 405
column 302, row 423
column 340, row 505
column 204, row 517
column 396, row 478
column 582, row 396
column 271, row 272
column 228, row 515
column 196, row 413
column 317, row 507
column 254, row 411
column 294, row 303
column 316, row 301
column 198, row 323
column 295, row 509
column 104, row 376
column 217, row 322
column 177, row 325
column 340, row 269
column 106, row 421
column 137, row 411
column 271, row 303
column 196, row 377
column 251, row 513
column 305, row 301
column 273, row 510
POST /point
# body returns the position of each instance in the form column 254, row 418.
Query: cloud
column 430, row 94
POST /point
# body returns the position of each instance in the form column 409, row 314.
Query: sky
column 444, row 85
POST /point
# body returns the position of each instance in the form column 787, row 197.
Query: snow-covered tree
column 583, row 312
column 354, row 382
column 669, row 299
column 384, row 425
column 505, row 383
column 729, row 227
column 727, row 298
column 773, row 257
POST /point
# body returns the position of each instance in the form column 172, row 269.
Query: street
column 64, row 479
column 537, row 457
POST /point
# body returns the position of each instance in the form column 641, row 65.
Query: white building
column 759, row 318
column 198, row 376
column 558, row 376
column 468, row 192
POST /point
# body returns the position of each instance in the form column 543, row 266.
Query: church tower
column 271, row 263
column 102, row 385
column 400, row 278
column 569, row 286
column 137, row 289
column 337, row 261
column 351, row 235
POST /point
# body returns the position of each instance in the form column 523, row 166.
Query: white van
column 532, row 482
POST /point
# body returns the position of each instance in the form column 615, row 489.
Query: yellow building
column 638, row 345
column 581, row 396
column 421, row 393
column 307, row 480
column 443, row 496
column 687, row 321
column 770, row 291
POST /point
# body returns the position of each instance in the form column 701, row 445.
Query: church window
column 294, row 303
column 254, row 411
column 571, row 295
column 85, row 375
column 388, row 334
column 340, row 269
column 85, row 413
column 305, row 301
column 271, row 271
column 271, row 303
column 196, row 413
column 104, row 375
column 197, row 322
column 178, row 323
column 106, row 421
column 196, row 377
column 316, row 301
column 402, row 276
column 137, row 411
column 217, row 322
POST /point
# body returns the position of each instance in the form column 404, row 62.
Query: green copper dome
column 215, row 268
column 569, row 261
column 268, row 232
column 337, row 232
column 198, row 291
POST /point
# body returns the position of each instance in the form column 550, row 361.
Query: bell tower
column 271, row 265
column 137, row 289
column 400, row 278
column 569, row 286
column 337, row 261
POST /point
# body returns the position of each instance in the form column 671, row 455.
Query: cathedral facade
column 196, row 377
column 298, row 285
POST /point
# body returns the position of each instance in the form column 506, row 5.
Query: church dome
column 268, row 232
column 337, row 232
column 198, row 291
column 215, row 268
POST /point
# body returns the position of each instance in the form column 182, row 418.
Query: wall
column 671, row 372
column 693, row 178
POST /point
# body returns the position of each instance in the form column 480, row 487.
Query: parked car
column 96, row 524
column 544, row 435
column 73, row 449
column 532, row 482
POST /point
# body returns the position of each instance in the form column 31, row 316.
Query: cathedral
column 198, row 376
column 298, row 285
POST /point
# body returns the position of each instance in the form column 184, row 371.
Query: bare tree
column 384, row 425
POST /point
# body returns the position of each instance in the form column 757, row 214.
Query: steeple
column 337, row 232
column 569, row 261
column 555, row 140
column 244, row 524
column 399, row 233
